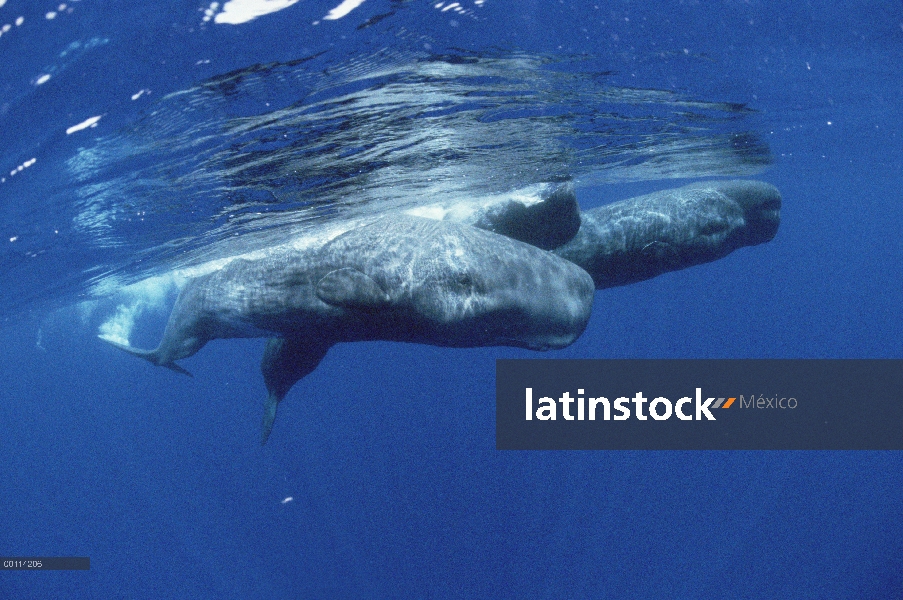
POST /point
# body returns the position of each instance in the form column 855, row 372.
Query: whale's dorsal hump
column 350, row 288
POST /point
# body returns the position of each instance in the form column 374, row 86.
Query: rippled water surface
column 288, row 145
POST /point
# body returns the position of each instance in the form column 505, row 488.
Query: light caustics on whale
column 547, row 212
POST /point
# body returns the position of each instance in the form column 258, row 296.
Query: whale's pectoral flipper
column 285, row 362
column 351, row 288
column 269, row 417
column 151, row 356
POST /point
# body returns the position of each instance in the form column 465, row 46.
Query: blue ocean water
column 135, row 140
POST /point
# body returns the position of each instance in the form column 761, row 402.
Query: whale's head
column 761, row 206
column 454, row 285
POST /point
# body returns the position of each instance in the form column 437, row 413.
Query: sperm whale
column 400, row 278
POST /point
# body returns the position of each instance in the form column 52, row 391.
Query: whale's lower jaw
column 762, row 226
column 543, row 344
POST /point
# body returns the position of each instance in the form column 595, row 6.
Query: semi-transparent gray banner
column 699, row 404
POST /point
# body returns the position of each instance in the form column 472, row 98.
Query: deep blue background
column 388, row 449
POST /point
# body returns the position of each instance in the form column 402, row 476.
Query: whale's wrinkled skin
column 643, row 237
column 456, row 279
column 618, row 244
column 401, row 278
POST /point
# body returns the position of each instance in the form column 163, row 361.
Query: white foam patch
column 437, row 213
column 464, row 211
column 150, row 293
column 84, row 125
column 119, row 327
column 236, row 12
column 342, row 9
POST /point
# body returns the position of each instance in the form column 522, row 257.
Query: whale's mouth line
column 527, row 344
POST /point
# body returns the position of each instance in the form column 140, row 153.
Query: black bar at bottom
column 45, row 563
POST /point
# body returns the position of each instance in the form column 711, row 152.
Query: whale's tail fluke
column 148, row 355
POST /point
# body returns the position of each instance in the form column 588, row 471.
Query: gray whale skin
column 400, row 278
column 404, row 278
column 643, row 237
column 618, row 244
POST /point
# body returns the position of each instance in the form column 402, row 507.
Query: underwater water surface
column 138, row 143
